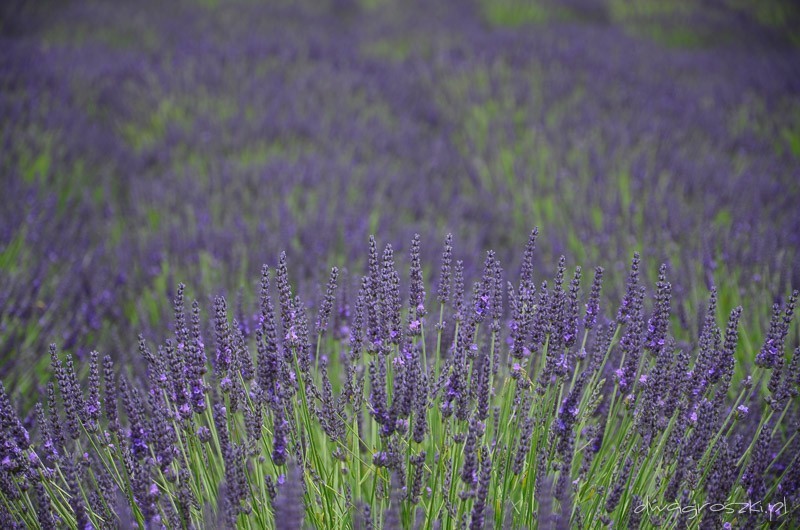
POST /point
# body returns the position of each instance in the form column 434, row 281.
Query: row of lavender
column 508, row 405
column 142, row 146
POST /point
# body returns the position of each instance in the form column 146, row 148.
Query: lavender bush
column 518, row 403
column 143, row 144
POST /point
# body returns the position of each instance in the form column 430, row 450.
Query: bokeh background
column 147, row 143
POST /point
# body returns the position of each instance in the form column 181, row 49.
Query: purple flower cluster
column 128, row 165
column 252, row 436
column 145, row 143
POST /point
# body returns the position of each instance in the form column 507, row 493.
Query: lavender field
column 378, row 264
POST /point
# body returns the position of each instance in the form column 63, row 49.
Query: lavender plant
column 142, row 144
column 511, row 407
column 138, row 144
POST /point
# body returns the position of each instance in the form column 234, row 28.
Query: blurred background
column 148, row 143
